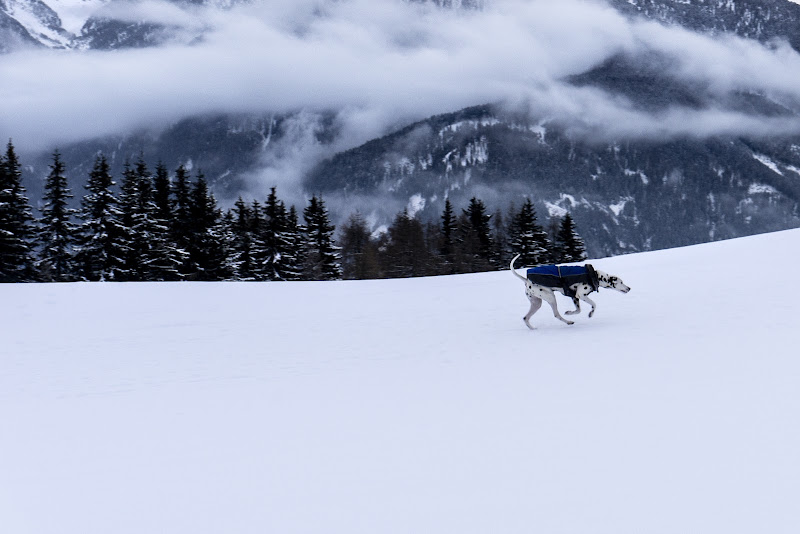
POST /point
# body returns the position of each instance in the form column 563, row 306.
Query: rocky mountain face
column 762, row 20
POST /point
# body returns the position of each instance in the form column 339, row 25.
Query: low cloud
column 380, row 63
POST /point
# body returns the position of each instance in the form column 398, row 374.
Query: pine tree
column 57, row 233
column 527, row 238
column 260, row 251
column 161, row 194
column 475, row 239
column 276, row 240
column 359, row 253
column 407, row 252
column 206, row 249
column 322, row 256
column 500, row 244
column 181, row 222
column 99, row 249
column 149, row 253
column 448, row 229
column 228, row 239
column 569, row 244
column 242, row 261
column 166, row 257
column 16, row 222
column 447, row 246
column 294, row 237
column 129, row 269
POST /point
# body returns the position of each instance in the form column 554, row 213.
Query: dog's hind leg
column 536, row 303
column 551, row 300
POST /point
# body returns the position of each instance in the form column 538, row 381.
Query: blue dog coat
column 562, row 277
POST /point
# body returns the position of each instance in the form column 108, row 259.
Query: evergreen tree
column 406, row 253
column 181, row 222
column 449, row 224
column 277, row 242
column 500, row 241
column 569, row 244
column 166, row 257
column 260, row 251
column 475, row 239
column 322, row 256
column 161, row 194
column 57, row 233
column 99, row 248
column 448, row 239
column 359, row 253
column 206, row 249
column 16, row 222
column 149, row 253
column 242, row 262
column 128, row 269
column 294, row 237
column 527, row 238
column 228, row 239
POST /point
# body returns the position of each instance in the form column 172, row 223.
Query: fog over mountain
column 302, row 80
column 389, row 60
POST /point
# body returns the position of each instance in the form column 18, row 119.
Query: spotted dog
column 577, row 283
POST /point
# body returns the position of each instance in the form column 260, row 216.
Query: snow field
column 401, row 406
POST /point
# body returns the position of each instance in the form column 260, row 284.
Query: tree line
column 157, row 226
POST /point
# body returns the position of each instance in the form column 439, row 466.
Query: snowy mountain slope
column 627, row 195
column 34, row 23
column 407, row 405
column 75, row 13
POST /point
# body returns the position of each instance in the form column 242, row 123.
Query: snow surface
column 767, row 162
column 408, row 406
column 75, row 13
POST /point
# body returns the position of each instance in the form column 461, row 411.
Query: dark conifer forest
column 154, row 225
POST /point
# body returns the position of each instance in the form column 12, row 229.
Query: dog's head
column 612, row 282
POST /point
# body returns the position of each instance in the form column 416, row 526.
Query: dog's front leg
column 577, row 309
column 536, row 303
column 586, row 298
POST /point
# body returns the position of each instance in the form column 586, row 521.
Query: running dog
column 578, row 284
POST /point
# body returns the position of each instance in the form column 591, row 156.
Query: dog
column 536, row 293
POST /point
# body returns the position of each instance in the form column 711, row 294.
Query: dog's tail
column 515, row 271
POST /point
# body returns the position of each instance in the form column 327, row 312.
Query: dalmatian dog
column 537, row 293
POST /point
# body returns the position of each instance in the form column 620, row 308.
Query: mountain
column 98, row 24
column 624, row 196
column 94, row 24
column 225, row 148
column 30, row 23
column 417, row 405
column 762, row 20
column 105, row 30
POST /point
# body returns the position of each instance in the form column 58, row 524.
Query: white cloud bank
column 381, row 62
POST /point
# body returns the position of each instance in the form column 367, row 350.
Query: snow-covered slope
column 402, row 406
column 75, row 13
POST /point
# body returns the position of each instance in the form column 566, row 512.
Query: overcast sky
column 380, row 63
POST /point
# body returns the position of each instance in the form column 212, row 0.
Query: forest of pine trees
column 156, row 227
